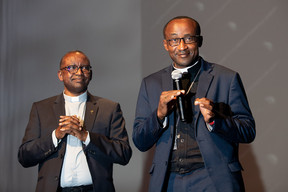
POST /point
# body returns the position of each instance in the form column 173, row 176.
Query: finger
column 210, row 113
column 206, row 106
column 197, row 101
column 63, row 118
column 75, row 118
column 69, row 130
column 69, row 126
column 172, row 95
column 69, row 120
column 65, row 130
column 204, row 103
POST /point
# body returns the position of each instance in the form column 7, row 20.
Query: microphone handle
column 180, row 103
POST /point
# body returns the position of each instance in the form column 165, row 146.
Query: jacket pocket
column 152, row 169
column 40, row 178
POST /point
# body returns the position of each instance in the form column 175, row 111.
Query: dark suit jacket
column 109, row 142
column 234, row 124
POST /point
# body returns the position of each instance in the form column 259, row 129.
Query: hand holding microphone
column 176, row 76
column 169, row 98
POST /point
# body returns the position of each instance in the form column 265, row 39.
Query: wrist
column 160, row 116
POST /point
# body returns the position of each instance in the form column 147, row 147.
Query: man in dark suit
column 200, row 152
column 75, row 137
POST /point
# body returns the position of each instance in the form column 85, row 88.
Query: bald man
column 75, row 137
column 196, row 144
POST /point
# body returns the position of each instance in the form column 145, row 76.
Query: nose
column 79, row 69
column 182, row 45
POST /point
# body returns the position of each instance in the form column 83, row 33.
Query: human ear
column 91, row 73
column 200, row 41
column 60, row 75
column 165, row 44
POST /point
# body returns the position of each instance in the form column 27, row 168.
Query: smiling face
column 74, row 83
column 183, row 55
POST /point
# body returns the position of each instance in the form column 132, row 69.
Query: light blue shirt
column 75, row 171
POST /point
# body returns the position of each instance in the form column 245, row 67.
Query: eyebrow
column 186, row 35
column 173, row 34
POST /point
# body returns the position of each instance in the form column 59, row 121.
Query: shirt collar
column 183, row 70
column 79, row 98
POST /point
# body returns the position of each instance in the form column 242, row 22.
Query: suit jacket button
column 56, row 178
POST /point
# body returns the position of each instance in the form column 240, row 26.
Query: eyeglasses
column 74, row 68
column 188, row 40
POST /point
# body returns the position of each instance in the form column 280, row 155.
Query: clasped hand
column 70, row 125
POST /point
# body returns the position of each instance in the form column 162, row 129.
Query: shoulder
column 101, row 101
column 159, row 74
column 48, row 101
column 217, row 69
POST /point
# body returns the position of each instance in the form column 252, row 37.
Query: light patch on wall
column 200, row 6
column 270, row 99
column 272, row 158
column 268, row 45
column 232, row 25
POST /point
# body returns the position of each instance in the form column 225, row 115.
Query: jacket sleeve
column 112, row 146
column 36, row 145
column 234, row 120
column 147, row 128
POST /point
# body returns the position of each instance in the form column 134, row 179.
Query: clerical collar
column 183, row 70
column 79, row 98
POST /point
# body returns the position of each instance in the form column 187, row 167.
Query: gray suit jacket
column 109, row 142
column 234, row 124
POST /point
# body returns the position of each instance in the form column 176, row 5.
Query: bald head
column 71, row 54
column 193, row 22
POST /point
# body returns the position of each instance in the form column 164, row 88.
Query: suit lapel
column 204, row 82
column 91, row 111
column 59, row 107
column 167, row 82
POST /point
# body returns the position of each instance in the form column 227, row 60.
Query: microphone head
column 176, row 74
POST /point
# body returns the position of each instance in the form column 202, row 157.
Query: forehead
column 75, row 58
column 179, row 27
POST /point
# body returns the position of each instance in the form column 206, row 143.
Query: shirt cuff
column 163, row 122
column 87, row 141
column 54, row 138
column 210, row 126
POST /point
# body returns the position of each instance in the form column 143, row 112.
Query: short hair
column 70, row 52
column 198, row 29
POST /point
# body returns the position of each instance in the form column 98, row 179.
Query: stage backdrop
column 123, row 40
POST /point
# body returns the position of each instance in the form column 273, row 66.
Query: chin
column 79, row 90
column 182, row 65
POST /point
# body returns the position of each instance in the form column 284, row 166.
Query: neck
column 73, row 94
column 192, row 64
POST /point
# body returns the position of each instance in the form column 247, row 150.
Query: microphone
column 176, row 76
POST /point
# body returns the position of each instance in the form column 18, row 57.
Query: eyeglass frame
column 78, row 67
column 197, row 37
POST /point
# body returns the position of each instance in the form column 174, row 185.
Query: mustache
column 183, row 52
